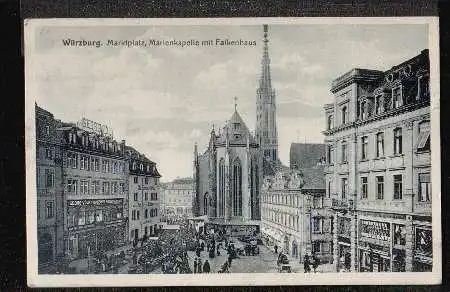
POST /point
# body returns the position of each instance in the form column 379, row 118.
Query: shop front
column 423, row 251
column 374, row 246
column 343, row 244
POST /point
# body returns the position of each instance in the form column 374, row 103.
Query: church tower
column 266, row 125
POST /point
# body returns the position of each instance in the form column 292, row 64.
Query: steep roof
column 313, row 177
column 306, row 155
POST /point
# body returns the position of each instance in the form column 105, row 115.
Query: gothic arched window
column 221, row 211
column 237, row 187
column 205, row 204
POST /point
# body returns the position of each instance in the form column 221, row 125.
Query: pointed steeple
column 265, row 83
column 266, row 121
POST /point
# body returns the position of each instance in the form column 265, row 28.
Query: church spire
column 265, row 82
column 266, row 122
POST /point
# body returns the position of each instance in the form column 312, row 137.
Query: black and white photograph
column 251, row 151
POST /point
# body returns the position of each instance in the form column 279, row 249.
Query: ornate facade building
column 144, row 198
column 177, row 196
column 95, row 183
column 378, row 168
column 229, row 176
column 50, row 196
column 295, row 214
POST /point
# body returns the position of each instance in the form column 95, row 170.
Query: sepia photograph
column 251, row 151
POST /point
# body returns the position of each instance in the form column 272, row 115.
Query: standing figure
column 195, row 266
column 199, row 266
column 275, row 248
column 315, row 263
column 306, row 264
column 206, row 267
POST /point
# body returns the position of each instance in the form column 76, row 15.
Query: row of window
column 49, row 210
column 153, row 196
column 97, row 187
column 49, row 178
column 380, row 103
column 287, row 220
column 424, row 187
column 145, row 180
column 134, row 166
column 290, row 200
column 94, row 142
column 91, row 216
column 423, row 144
column 170, row 200
column 89, row 163
column 135, row 214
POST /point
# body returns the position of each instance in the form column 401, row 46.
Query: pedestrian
column 197, row 252
column 218, row 251
column 195, row 266
column 206, row 267
column 315, row 263
column 306, row 264
column 199, row 266
column 276, row 248
column 229, row 260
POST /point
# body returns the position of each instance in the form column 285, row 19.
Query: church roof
column 306, row 155
column 238, row 132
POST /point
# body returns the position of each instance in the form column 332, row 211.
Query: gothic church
column 229, row 174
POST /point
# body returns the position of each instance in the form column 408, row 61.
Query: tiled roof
column 306, row 155
column 313, row 177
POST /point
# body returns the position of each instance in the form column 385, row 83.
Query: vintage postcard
column 260, row 151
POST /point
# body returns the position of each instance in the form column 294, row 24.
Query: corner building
column 295, row 214
column 95, row 182
column 178, row 196
column 50, row 196
column 144, row 199
column 378, row 171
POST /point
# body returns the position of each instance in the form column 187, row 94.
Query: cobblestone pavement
column 265, row 262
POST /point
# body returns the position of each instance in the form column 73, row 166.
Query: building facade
column 295, row 214
column 229, row 175
column 50, row 196
column 144, row 197
column 95, row 184
column 379, row 168
column 178, row 196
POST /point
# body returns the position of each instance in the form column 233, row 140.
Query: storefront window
column 399, row 234
column 424, row 241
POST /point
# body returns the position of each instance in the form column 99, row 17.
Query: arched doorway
column 294, row 249
column 45, row 248
column 286, row 244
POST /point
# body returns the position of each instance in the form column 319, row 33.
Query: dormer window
column 141, row 166
column 134, row 166
column 47, row 130
column 423, row 88
column 378, row 104
column 344, row 115
column 363, row 110
column 397, row 100
column 329, row 122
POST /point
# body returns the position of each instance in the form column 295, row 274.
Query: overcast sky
column 162, row 100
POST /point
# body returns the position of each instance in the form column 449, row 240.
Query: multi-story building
column 50, row 197
column 95, row 179
column 178, row 196
column 143, row 181
column 378, row 168
column 295, row 215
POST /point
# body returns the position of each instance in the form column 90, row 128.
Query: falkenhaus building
column 378, row 171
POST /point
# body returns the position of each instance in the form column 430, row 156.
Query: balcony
column 338, row 204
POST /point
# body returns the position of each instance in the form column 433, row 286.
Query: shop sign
column 375, row 230
column 94, row 202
